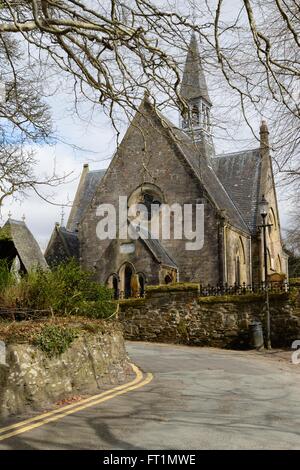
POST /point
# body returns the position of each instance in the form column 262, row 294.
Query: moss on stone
column 54, row 340
column 177, row 287
column 26, row 331
column 5, row 233
column 294, row 282
column 132, row 302
column 245, row 298
column 182, row 328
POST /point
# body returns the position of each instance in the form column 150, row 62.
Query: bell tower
column 197, row 121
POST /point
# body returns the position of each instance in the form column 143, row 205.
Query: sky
column 97, row 144
column 94, row 142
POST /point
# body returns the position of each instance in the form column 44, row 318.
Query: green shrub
column 96, row 309
column 6, row 277
column 67, row 290
column 54, row 340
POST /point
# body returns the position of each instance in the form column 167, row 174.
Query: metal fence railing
column 222, row 289
column 243, row 289
column 17, row 314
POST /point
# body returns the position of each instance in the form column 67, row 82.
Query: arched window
column 242, row 251
column 150, row 200
column 278, row 265
column 271, row 221
column 142, row 281
column 148, row 194
column 113, row 283
column 195, row 115
column 185, row 121
column 205, row 115
column 126, row 272
column 239, row 262
column 237, row 271
column 270, row 260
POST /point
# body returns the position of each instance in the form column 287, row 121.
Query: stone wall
column 32, row 380
column 182, row 317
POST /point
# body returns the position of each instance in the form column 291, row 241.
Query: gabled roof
column 205, row 173
column 63, row 245
column 239, row 173
column 158, row 251
column 216, row 181
column 193, row 80
column 70, row 241
column 84, row 196
column 25, row 244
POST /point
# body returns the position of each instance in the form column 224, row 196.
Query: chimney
column 264, row 138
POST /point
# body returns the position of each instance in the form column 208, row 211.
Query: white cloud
column 92, row 142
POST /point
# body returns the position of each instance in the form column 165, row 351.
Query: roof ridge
column 196, row 173
column 220, row 155
column 15, row 221
column 96, row 171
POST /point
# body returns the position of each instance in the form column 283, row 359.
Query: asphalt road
column 199, row 398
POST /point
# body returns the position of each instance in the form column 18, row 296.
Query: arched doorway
column 113, row 283
column 237, row 271
column 127, row 281
column 116, row 287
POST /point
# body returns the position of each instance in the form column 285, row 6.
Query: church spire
column 193, row 81
column 194, row 90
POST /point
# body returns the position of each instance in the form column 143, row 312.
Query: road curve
column 199, row 398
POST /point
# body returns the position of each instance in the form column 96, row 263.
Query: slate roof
column 155, row 247
column 206, row 174
column 231, row 181
column 203, row 170
column 25, row 244
column 62, row 245
column 159, row 252
column 70, row 241
column 240, row 175
column 87, row 192
column 193, row 83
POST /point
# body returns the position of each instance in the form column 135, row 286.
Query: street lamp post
column 264, row 209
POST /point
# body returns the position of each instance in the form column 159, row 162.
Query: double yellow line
column 55, row 415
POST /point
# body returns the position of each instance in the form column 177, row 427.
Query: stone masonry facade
column 183, row 317
column 31, row 380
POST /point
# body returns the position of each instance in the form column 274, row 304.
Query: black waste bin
column 257, row 337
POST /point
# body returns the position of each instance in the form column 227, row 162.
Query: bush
column 54, row 340
column 6, row 277
column 67, row 289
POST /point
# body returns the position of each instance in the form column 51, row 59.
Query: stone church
column 161, row 163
